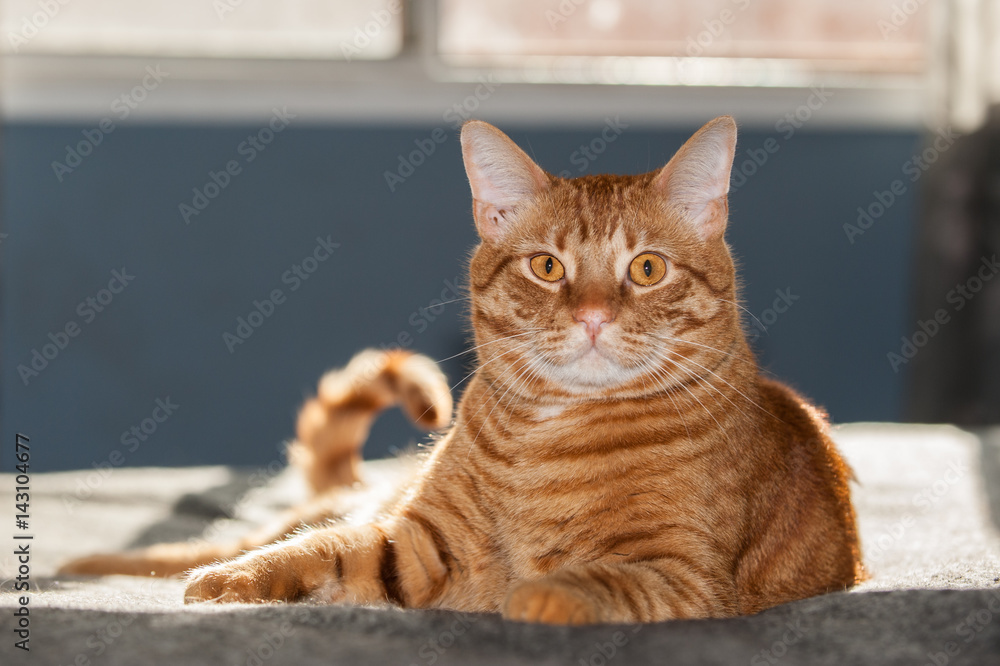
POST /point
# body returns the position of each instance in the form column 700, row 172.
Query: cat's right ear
column 500, row 174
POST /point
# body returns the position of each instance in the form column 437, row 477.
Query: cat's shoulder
column 786, row 405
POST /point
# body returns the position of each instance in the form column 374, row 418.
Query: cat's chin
column 591, row 370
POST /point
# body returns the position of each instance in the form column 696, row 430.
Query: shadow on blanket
column 928, row 503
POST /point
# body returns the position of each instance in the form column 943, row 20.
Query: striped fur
column 646, row 472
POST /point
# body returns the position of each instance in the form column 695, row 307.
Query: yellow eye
column 547, row 267
column 647, row 269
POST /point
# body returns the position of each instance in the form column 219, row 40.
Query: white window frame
column 417, row 88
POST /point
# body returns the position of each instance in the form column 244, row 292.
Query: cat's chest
column 562, row 489
column 547, row 413
column 546, row 532
column 546, row 526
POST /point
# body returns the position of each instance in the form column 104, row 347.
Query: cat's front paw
column 252, row 578
column 549, row 602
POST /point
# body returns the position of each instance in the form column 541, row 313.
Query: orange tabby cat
column 616, row 456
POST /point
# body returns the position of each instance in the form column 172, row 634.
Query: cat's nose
column 593, row 318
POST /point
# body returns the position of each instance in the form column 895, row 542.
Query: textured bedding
column 928, row 502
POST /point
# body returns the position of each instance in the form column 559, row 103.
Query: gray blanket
column 928, row 501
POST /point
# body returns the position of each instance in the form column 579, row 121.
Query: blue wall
column 162, row 335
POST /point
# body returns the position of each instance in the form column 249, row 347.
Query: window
column 359, row 29
column 715, row 42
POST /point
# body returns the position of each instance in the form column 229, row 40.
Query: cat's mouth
column 592, row 351
column 591, row 365
column 597, row 354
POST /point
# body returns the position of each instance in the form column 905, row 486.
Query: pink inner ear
column 696, row 181
column 494, row 186
column 489, row 218
column 712, row 221
column 500, row 174
column 703, row 203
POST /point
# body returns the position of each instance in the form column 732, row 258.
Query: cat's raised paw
column 549, row 602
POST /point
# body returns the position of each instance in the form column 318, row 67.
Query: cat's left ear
column 500, row 174
column 696, row 181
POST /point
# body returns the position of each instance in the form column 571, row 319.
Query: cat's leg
column 333, row 426
column 398, row 562
column 620, row 592
column 170, row 559
column 160, row 560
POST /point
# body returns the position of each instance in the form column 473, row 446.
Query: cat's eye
column 647, row 269
column 547, row 267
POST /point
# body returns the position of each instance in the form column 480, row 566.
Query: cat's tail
column 333, row 426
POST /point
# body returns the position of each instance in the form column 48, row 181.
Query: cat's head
column 601, row 285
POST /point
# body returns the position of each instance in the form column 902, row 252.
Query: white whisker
column 745, row 396
column 703, row 380
column 454, row 300
column 671, row 338
column 497, row 404
column 747, row 311
column 491, row 359
column 526, row 331
column 649, row 367
column 530, row 377
column 684, row 386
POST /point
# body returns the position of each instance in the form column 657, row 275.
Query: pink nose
column 593, row 318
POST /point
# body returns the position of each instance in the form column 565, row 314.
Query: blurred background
column 207, row 203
